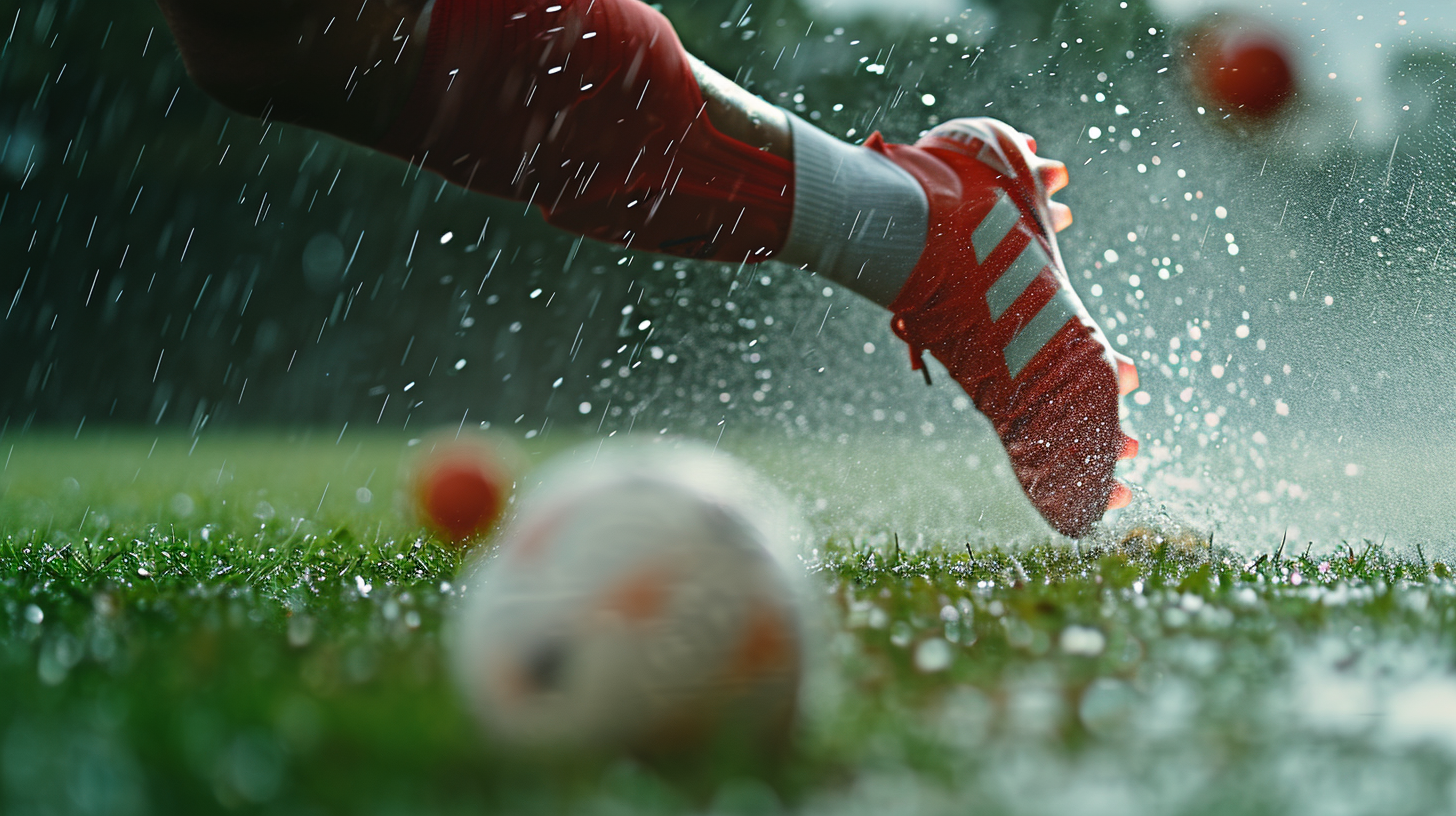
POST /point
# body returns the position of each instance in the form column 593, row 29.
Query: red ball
column 460, row 500
column 1242, row 71
column 459, row 488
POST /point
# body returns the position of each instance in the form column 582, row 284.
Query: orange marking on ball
column 764, row 646
column 641, row 596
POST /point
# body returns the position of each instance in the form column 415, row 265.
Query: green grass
column 266, row 645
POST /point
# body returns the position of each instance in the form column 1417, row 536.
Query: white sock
column 859, row 219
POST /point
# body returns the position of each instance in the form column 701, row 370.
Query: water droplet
column 1083, row 640
column 300, row 630
column 183, row 505
column 933, row 655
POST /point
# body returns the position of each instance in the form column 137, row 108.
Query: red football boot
column 990, row 298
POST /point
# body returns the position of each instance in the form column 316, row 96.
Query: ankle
column 859, row 219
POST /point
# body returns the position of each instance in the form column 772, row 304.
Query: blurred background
column 1279, row 268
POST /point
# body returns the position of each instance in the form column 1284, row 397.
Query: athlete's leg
column 341, row 66
column 592, row 111
column 741, row 115
column 708, row 162
column 347, row 68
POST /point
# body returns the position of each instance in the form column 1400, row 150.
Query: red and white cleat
column 990, row 298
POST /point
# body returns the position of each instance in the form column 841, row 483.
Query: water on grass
column 162, row 662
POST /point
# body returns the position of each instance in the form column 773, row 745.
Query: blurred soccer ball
column 635, row 603
column 1241, row 68
column 459, row 484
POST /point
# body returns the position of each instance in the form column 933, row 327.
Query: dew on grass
column 1034, row 705
column 183, row 505
column 300, row 630
column 1108, row 705
column 58, row 655
column 964, row 717
column 933, row 655
column 103, row 645
column 877, row 618
column 1082, row 640
column 901, row 633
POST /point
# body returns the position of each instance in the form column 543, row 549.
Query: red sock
column 588, row 109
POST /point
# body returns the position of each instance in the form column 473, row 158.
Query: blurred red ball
column 460, row 499
column 460, row 489
column 1241, row 70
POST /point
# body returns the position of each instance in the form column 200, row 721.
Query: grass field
column 254, row 625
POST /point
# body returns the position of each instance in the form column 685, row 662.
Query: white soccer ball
column 637, row 601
